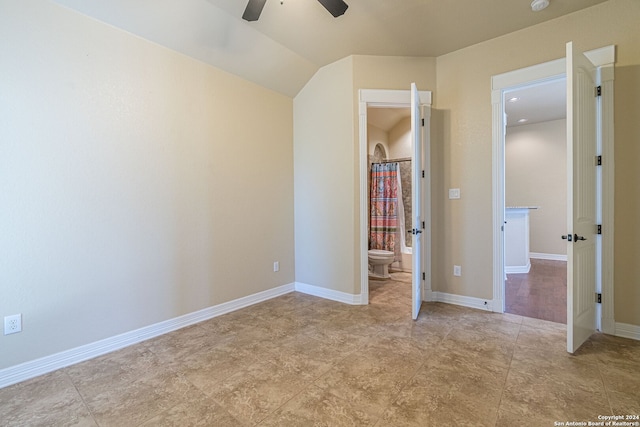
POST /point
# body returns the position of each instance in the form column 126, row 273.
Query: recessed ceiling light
column 523, row 120
column 538, row 5
column 514, row 99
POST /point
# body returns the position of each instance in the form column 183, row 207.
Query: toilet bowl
column 379, row 262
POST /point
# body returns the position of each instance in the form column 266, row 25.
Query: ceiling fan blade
column 253, row 10
column 335, row 7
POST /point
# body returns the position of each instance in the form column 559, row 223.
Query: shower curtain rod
column 405, row 159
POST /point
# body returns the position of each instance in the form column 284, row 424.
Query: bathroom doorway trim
column 380, row 98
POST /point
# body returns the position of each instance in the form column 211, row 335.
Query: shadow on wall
column 439, row 122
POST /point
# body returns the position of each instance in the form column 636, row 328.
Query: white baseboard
column 551, row 257
column 470, row 302
column 628, row 331
column 330, row 294
column 518, row 269
column 44, row 365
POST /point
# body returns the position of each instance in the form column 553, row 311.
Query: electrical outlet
column 454, row 193
column 457, row 270
column 276, row 266
column 12, row 324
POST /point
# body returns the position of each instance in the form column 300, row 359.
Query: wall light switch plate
column 454, row 193
column 457, row 270
column 276, row 266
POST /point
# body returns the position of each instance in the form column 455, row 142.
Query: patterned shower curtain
column 384, row 220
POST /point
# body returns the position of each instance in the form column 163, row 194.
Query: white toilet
column 379, row 262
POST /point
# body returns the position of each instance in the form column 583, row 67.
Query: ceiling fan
column 254, row 8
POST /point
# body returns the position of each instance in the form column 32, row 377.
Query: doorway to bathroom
column 389, row 143
column 418, row 105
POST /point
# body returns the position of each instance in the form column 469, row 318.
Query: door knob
column 576, row 238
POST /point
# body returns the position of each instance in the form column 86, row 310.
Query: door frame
column 382, row 98
column 603, row 59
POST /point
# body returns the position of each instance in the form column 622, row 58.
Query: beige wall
column 324, row 188
column 627, row 177
column 400, row 144
column 377, row 136
column 326, row 153
column 464, row 97
column 136, row 184
column 536, row 175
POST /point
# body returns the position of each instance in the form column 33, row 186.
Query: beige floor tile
column 44, row 401
column 449, row 395
column 140, row 400
column 621, row 376
column 490, row 325
column 538, row 337
column 318, row 408
column 201, row 412
column 367, row 382
column 543, row 324
column 551, row 356
column 115, row 370
column 253, row 394
column 508, row 419
column 553, row 396
column 208, row 368
column 473, row 345
column 624, row 402
column 172, row 347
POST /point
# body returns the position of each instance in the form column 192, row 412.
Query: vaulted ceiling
column 292, row 40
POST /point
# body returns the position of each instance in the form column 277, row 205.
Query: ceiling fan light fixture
column 538, row 5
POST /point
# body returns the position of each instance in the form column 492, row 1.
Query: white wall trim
column 471, row 302
column 518, row 269
column 364, row 201
column 625, row 330
column 330, row 294
column 550, row 257
column 44, row 365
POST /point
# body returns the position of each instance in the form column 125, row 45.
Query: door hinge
column 422, row 122
column 598, row 160
column 423, row 225
column 599, row 298
column 424, row 276
column 423, row 174
column 598, row 90
column 599, row 231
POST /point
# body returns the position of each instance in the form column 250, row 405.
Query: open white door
column 581, row 193
column 416, row 195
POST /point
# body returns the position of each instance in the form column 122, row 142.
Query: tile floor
column 541, row 293
column 299, row 360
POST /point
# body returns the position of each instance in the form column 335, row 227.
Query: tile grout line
column 82, row 398
column 506, row 377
